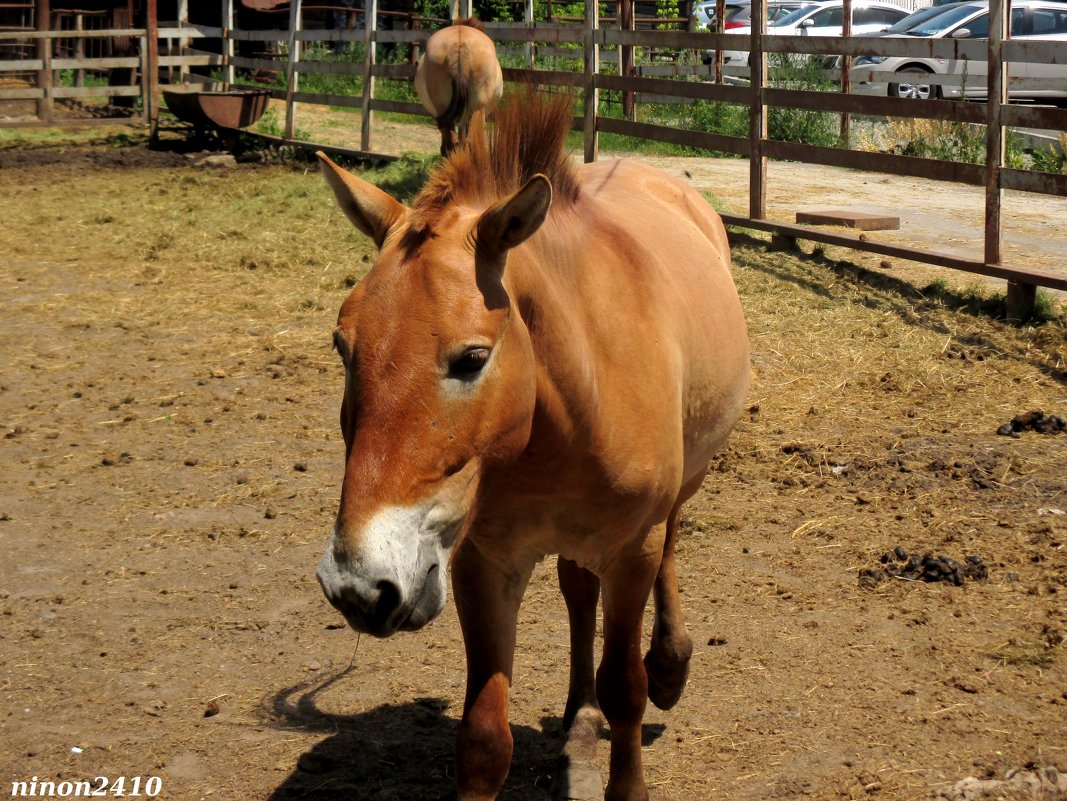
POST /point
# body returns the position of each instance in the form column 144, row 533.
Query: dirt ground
column 171, row 463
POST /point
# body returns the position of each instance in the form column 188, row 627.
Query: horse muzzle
column 394, row 578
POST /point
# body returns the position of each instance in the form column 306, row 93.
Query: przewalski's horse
column 458, row 75
column 542, row 360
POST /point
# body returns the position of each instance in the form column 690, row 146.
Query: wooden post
column 1021, row 301
column 997, row 85
column 592, row 67
column 42, row 12
column 152, row 76
column 414, row 24
column 292, row 77
column 1022, row 298
column 146, row 92
column 79, row 50
column 757, row 162
column 528, row 16
column 626, row 57
column 183, row 42
column 229, row 73
column 720, row 27
column 846, row 64
column 370, row 25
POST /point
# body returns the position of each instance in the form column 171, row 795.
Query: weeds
column 959, row 141
column 979, row 300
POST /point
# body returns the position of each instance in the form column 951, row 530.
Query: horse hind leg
column 667, row 659
column 577, row 775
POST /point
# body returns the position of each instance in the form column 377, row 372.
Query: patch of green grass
column 404, row 177
column 980, row 300
column 136, row 135
column 271, row 124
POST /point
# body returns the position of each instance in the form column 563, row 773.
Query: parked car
column 738, row 13
column 826, row 18
column 1040, row 20
column 917, row 18
column 913, row 20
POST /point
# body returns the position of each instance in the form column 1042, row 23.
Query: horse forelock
column 526, row 136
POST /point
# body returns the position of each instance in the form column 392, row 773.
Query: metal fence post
column 591, row 93
column 757, row 162
column 370, row 25
column 292, row 77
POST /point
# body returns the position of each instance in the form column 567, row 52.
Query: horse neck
column 542, row 281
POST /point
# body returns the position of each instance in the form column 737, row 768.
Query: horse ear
column 370, row 209
column 513, row 220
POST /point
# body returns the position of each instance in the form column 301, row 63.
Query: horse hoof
column 577, row 781
column 666, row 680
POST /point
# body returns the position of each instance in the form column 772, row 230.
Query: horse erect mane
column 526, row 137
column 470, row 22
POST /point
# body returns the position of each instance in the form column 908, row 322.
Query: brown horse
column 542, row 360
column 458, row 75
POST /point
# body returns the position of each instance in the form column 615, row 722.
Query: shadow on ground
column 401, row 752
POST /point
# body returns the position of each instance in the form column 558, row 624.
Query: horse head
column 439, row 384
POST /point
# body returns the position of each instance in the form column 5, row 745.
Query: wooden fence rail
column 600, row 59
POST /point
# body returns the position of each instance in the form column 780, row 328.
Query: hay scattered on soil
column 167, row 366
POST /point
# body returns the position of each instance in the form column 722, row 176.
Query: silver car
column 902, row 76
column 825, row 19
column 738, row 13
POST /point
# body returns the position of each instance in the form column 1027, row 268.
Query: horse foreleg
column 488, row 604
column 577, row 775
column 621, row 682
column 667, row 660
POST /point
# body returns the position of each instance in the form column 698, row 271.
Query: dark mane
column 470, row 22
column 526, row 137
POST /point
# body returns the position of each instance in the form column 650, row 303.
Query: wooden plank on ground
column 859, row 220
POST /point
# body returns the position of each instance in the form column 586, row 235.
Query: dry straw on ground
column 172, row 463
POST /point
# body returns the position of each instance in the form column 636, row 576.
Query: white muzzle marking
column 392, row 574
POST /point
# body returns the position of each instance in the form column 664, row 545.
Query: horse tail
column 457, row 109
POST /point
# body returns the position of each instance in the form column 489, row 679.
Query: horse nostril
column 387, row 603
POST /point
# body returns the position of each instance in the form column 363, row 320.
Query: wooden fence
column 606, row 55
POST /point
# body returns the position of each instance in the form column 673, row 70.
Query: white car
column 1041, row 20
column 825, row 19
column 738, row 12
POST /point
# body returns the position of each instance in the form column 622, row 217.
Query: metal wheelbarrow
column 213, row 110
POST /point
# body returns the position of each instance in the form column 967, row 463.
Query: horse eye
column 469, row 363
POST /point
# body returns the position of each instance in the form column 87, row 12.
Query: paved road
column 934, row 215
